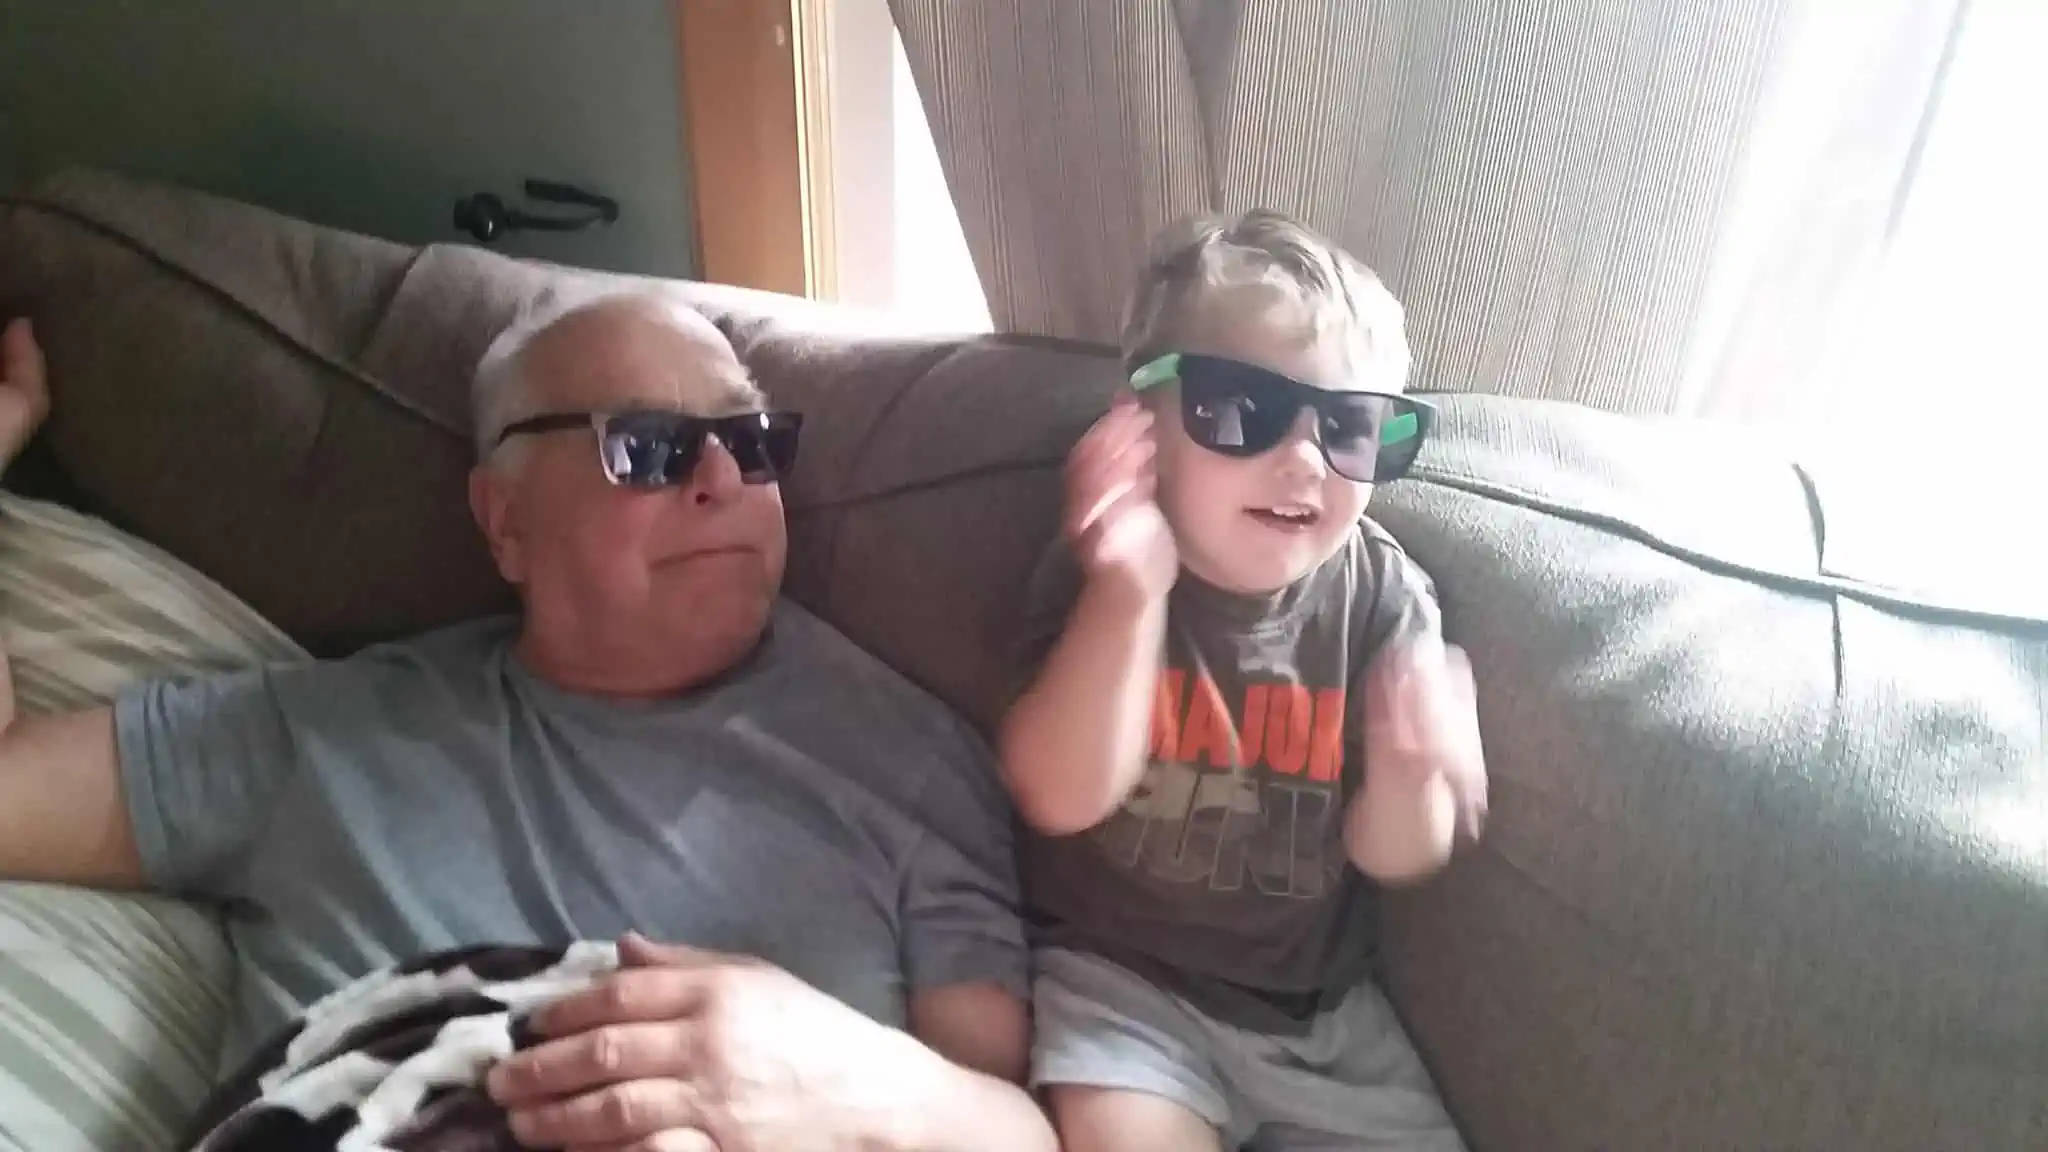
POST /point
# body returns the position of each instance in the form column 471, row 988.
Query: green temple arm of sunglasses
column 1167, row 367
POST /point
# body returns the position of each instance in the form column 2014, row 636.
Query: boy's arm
column 1423, row 759
column 1399, row 828
column 1425, row 771
column 1074, row 744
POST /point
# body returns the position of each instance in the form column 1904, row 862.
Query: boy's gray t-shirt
column 812, row 808
column 1223, row 876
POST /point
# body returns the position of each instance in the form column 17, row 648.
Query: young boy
column 1245, row 717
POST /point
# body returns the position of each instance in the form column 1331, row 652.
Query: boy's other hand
column 1112, row 518
column 1422, row 718
column 24, row 395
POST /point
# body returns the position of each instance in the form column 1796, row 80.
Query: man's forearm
column 1074, row 745
column 961, row 1110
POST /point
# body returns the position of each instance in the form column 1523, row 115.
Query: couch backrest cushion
column 1768, row 866
column 203, row 362
column 286, row 407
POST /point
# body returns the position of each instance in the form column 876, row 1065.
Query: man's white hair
column 1334, row 296
column 498, row 389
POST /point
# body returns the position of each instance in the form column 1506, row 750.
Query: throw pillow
column 111, row 1005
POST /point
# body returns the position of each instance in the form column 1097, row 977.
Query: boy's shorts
column 1353, row 1081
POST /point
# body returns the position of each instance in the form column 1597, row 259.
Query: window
column 1950, row 334
column 900, row 248
column 934, row 275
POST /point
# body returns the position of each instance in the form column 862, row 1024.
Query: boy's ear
column 1155, row 400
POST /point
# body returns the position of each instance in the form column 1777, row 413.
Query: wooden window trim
column 755, row 82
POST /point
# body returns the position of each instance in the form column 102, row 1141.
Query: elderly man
column 657, row 743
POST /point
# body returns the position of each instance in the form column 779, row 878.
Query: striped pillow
column 86, row 610
column 110, row 1005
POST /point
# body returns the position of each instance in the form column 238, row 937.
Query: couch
column 1768, row 860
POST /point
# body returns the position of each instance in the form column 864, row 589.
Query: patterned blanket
column 395, row 1061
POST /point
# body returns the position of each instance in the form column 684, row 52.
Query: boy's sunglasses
column 654, row 449
column 1242, row 410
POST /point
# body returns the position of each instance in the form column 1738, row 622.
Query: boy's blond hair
column 1336, row 296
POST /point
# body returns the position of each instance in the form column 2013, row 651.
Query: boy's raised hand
column 1112, row 518
column 24, row 396
column 1422, row 718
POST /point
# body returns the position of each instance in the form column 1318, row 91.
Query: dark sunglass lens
column 1350, row 426
column 1371, row 438
column 1234, row 409
column 652, row 450
column 745, row 437
column 763, row 445
column 781, row 445
column 1399, row 427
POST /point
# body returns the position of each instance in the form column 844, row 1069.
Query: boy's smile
column 1289, row 517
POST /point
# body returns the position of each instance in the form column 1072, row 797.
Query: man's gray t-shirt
column 812, row 808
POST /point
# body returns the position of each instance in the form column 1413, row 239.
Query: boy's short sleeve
column 1048, row 600
column 1403, row 604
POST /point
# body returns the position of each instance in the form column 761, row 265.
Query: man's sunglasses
column 655, row 449
column 1242, row 410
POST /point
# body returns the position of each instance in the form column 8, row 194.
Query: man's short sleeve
column 961, row 918
column 202, row 761
column 1403, row 602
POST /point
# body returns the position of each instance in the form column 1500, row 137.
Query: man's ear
column 490, row 502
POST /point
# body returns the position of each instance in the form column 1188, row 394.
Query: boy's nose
column 1303, row 449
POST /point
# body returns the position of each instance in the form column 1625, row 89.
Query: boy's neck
column 1206, row 596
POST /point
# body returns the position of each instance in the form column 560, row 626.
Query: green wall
column 372, row 115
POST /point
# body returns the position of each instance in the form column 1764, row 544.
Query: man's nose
column 717, row 476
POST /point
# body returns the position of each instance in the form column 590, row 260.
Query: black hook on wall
column 487, row 217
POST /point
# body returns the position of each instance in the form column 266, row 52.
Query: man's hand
column 24, row 393
column 1112, row 518
column 684, row 1049
column 1422, row 721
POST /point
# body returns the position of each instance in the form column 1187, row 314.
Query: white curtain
column 1660, row 206
column 1951, row 312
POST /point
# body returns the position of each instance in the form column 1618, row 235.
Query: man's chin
column 734, row 616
